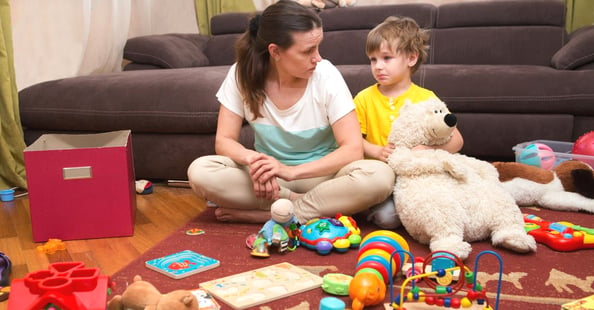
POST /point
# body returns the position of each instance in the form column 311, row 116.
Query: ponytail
column 252, row 65
column 275, row 25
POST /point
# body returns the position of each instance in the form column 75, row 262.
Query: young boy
column 396, row 49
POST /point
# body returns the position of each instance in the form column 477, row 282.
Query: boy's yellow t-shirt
column 376, row 112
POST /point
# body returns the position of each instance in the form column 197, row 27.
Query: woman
column 308, row 145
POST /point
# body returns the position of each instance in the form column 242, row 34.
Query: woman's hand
column 263, row 171
column 268, row 190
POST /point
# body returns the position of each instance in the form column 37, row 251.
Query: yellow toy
column 51, row 246
column 376, row 266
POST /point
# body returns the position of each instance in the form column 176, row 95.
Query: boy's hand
column 386, row 151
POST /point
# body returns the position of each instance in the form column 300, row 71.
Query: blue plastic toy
column 325, row 234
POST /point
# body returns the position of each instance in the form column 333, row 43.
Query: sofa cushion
column 345, row 29
column 174, row 50
column 501, row 13
column 367, row 17
column 498, row 32
column 577, row 51
column 502, row 45
column 147, row 101
column 515, row 89
column 226, row 29
column 221, row 49
column 228, row 23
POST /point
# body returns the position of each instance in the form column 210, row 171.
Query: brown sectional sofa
column 507, row 68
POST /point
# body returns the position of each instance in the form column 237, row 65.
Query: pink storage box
column 81, row 186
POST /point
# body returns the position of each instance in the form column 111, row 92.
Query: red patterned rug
column 542, row 280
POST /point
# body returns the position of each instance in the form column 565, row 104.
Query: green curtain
column 205, row 9
column 12, row 164
column 579, row 13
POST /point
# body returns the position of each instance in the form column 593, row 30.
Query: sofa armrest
column 173, row 50
column 577, row 52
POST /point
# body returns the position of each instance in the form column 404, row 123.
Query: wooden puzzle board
column 262, row 285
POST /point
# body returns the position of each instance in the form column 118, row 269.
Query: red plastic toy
column 65, row 286
column 559, row 236
column 584, row 145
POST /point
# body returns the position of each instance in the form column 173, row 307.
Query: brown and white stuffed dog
column 567, row 187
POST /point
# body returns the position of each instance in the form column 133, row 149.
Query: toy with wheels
column 280, row 240
column 326, row 234
column 538, row 155
column 381, row 254
column 278, row 231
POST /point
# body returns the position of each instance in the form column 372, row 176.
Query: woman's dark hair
column 276, row 24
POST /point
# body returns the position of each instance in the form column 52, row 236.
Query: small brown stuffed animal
column 567, row 187
column 142, row 295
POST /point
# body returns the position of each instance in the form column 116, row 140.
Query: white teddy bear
column 447, row 200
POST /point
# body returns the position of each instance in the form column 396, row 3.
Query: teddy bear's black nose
column 450, row 120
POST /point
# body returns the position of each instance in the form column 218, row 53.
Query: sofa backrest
column 345, row 29
column 498, row 32
column 483, row 32
column 225, row 29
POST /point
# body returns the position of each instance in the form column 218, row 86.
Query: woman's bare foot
column 242, row 216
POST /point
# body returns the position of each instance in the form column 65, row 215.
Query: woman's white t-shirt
column 303, row 132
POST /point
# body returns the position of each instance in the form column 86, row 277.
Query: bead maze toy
column 559, row 236
column 381, row 255
column 66, row 285
column 445, row 288
column 325, row 234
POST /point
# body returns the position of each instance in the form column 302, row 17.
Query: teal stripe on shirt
column 294, row 148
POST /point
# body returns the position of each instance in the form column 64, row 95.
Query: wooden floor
column 157, row 216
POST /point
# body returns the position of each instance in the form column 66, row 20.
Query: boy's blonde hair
column 402, row 34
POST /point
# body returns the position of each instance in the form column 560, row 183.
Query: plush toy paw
column 456, row 169
column 517, row 241
column 115, row 303
column 452, row 244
